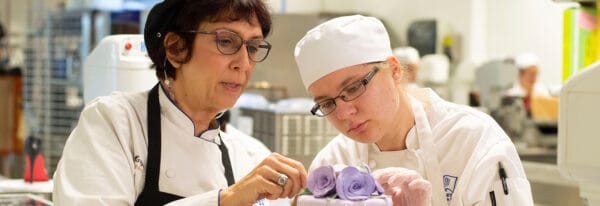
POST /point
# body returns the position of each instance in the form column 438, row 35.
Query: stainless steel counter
column 549, row 187
column 540, row 155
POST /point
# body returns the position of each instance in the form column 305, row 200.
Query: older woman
column 164, row 146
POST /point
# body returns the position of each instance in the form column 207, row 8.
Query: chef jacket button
column 170, row 173
column 372, row 164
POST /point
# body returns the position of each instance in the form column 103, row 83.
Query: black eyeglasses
column 349, row 93
column 229, row 43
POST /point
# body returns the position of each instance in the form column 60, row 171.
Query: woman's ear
column 175, row 49
column 395, row 68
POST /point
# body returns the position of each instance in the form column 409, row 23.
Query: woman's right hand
column 261, row 182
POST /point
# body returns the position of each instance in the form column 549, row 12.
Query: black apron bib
column 150, row 194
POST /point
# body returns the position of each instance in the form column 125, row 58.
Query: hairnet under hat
column 341, row 42
column 161, row 19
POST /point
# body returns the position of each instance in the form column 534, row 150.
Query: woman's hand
column 405, row 186
column 261, row 182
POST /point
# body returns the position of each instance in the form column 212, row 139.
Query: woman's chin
column 363, row 139
column 227, row 102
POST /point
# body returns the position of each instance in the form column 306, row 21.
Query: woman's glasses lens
column 229, row 43
column 347, row 94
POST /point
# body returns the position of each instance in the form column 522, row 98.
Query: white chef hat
column 341, row 42
column 406, row 54
column 525, row 60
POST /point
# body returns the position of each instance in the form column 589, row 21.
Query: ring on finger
column 282, row 180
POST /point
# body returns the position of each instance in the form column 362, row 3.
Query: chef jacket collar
column 170, row 110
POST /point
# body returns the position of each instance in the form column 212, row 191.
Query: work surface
column 20, row 186
column 549, row 187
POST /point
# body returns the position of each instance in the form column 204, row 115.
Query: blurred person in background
column 164, row 146
column 409, row 59
column 527, row 86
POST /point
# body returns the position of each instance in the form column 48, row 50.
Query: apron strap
column 428, row 154
column 226, row 163
column 150, row 194
column 154, row 141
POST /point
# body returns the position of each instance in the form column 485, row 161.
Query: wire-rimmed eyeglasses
column 349, row 93
column 229, row 43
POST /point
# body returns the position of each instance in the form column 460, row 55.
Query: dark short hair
column 186, row 15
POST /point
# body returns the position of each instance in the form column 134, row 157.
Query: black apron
column 150, row 194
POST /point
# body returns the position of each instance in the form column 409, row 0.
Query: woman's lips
column 357, row 128
column 234, row 87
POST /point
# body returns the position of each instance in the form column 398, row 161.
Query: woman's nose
column 343, row 109
column 242, row 60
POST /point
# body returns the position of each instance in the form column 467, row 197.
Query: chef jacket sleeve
column 97, row 166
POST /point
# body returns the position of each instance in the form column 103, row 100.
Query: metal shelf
column 53, row 57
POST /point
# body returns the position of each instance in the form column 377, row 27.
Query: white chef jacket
column 518, row 91
column 467, row 145
column 104, row 158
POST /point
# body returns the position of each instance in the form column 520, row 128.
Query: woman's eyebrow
column 339, row 87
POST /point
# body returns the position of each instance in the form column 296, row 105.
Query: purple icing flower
column 321, row 181
column 352, row 184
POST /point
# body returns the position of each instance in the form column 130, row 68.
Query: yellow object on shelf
column 581, row 39
column 544, row 108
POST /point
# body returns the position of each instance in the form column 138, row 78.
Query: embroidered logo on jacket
column 449, row 185
column 138, row 164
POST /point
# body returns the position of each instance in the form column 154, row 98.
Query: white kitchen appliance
column 117, row 63
column 579, row 133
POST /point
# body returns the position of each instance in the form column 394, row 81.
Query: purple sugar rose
column 352, row 184
column 321, row 181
